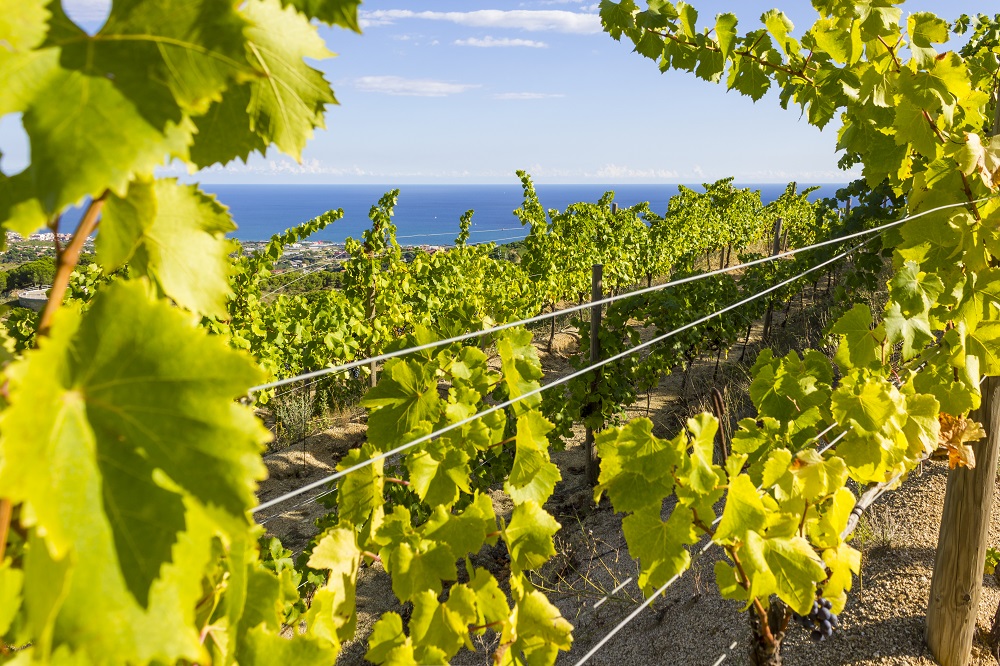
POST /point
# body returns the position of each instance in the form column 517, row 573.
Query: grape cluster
column 820, row 622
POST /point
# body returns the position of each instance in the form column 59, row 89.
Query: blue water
column 423, row 210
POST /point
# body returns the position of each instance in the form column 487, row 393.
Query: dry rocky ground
column 691, row 624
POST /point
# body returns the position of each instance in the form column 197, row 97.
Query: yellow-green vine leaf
column 125, row 95
column 175, row 235
column 529, row 536
column 130, row 385
column 332, row 614
column 283, row 104
column 533, row 476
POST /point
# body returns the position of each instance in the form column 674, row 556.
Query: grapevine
column 894, row 385
column 128, row 465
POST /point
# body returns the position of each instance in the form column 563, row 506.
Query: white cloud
column 314, row 167
column 518, row 19
column 618, row 172
column 803, row 176
column 489, row 42
column 397, row 85
column 527, row 95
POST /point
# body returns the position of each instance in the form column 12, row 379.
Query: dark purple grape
column 820, row 622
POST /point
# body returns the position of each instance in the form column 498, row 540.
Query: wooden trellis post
column 961, row 550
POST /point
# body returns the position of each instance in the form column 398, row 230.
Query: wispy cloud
column 519, row 19
column 618, row 172
column 490, row 42
column 526, row 95
column 593, row 7
column 397, row 85
column 315, row 167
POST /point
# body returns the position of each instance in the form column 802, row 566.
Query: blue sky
column 468, row 92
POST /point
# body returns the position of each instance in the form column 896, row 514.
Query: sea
column 427, row 214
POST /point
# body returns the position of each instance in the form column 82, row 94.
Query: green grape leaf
column 659, row 545
column 521, row 367
column 618, row 17
column 784, row 389
column 938, row 378
column 877, row 86
column 406, row 397
column 697, row 473
column 11, row 582
column 842, row 562
column 160, row 631
column 192, row 50
column 825, row 532
column 817, row 477
column 878, row 19
column 859, row 344
column 744, row 512
column 114, row 151
column 471, row 368
column 175, row 235
column 261, row 647
column 333, row 12
column 359, row 494
column 464, row 533
column 914, row 290
column 748, row 78
column 388, row 642
column 635, row 466
column 725, row 32
column 529, row 536
column 870, row 405
column 688, row 16
column 913, row 332
column 332, row 613
column 443, row 626
column 539, row 631
column 23, row 25
column 124, row 384
column 264, row 597
column 439, row 471
column 650, row 45
column 416, row 569
column 912, row 127
column 779, row 25
column 871, row 457
column 130, row 86
column 983, row 342
column 844, row 46
column 922, row 426
column 728, row 582
column 533, row 476
column 796, row 569
column 925, row 29
column 980, row 297
column 491, row 602
column 284, row 105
